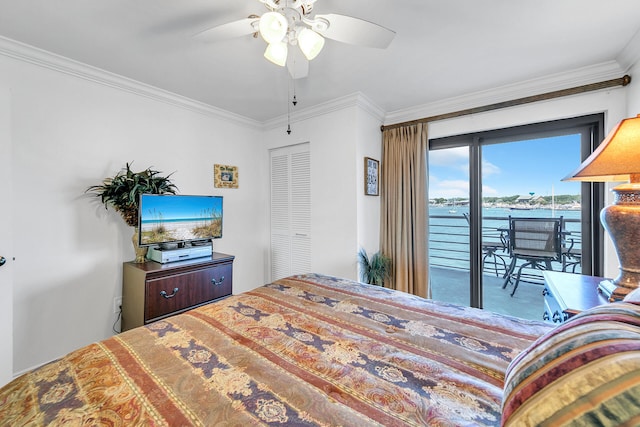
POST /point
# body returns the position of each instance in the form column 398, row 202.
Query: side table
column 567, row 294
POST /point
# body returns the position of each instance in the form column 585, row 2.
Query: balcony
column 449, row 264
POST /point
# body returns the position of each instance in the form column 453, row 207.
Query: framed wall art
column 225, row 176
column 371, row 174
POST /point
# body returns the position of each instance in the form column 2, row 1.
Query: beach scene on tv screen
column 179, row 218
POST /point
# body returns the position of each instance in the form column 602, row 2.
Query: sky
column 174, row 207
column 516, row 168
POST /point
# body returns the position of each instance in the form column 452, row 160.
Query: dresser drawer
column 220, row 277
column 172, row 294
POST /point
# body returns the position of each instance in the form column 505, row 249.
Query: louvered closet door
column 290, row 211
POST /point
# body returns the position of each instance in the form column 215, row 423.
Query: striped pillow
column 585, row 372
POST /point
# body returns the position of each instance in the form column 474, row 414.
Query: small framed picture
column 225, row 176
column 371, row 175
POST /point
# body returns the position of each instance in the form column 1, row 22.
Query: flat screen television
column 168, row 219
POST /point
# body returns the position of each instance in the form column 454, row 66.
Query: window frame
column 591, row 127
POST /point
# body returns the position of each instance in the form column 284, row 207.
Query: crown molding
column 42, row 58
column 357, row 99
column 578, row 77
column 368, row 106
column 630, row 55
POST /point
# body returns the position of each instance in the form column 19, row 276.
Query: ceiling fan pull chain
column 289, row 106
column 293, row 81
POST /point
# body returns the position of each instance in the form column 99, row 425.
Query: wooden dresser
column 152, row 291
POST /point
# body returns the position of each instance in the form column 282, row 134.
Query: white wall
column 368, row 144
column 611, row 102
column 68, row 134
column 6, row 239
column 342, row 220
column 633, row 95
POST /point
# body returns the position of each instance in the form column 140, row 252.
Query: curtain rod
column 622, row 81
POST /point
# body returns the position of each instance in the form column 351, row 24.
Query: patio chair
column 535, row 243
column 571, row 256
column 490, row 259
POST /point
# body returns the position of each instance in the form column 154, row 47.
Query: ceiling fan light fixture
column 277, row 53
column 310, row 42
column 273, row 27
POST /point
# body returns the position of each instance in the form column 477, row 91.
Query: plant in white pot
column 122, row 192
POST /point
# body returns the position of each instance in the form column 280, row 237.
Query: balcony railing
column 449, row 240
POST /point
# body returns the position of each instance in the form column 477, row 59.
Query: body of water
column 449, row 231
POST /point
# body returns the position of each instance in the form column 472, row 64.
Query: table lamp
column 617, row 159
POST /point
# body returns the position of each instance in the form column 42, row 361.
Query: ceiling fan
column 291, row 23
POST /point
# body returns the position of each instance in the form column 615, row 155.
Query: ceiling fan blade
column 347, row 29
column 297, row 64
column 229, row 30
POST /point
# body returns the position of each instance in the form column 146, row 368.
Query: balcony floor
column 452, row 285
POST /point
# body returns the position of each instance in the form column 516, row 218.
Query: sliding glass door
column 477, row 182
column 449, row 255
column 523, row 179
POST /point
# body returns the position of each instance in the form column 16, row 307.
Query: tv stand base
column 164, row 256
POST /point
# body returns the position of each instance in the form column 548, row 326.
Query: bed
column 306, row 350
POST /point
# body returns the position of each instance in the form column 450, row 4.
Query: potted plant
column 374, row 270
column 122, row 192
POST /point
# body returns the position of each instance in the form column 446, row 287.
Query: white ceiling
column 442, row 48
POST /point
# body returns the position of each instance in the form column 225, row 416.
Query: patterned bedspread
column 307, row 350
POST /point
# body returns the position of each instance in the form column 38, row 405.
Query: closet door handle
column 164, row 293
column 3, row 260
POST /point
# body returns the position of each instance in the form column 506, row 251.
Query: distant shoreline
column 572, row 207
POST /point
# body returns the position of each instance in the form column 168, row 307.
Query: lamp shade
column 310, row 42
column 273, row 27
column 277, row 53
column 617, row 158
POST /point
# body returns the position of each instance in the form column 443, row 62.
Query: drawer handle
column 545, row 292
column 217, row 282
column 164, row 293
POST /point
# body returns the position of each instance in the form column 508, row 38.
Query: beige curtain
column 403, row 220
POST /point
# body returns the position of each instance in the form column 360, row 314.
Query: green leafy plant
column 375, row 269
column 122, row 191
